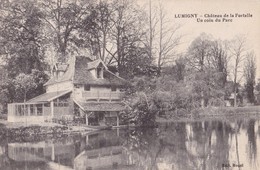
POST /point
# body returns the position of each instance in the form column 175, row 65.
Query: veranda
column 36, row 112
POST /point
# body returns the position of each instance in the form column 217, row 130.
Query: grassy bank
column 27, row 131
column 214, row 113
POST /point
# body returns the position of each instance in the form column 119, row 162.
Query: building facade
column 83, row 88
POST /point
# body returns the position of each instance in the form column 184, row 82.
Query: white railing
column 102, row 95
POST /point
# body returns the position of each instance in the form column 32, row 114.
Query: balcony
column 102, row 96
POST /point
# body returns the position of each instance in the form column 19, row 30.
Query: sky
column 191, row 28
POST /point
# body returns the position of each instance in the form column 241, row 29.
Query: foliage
column 250, row 74
column 23, row 43
column 173, row 99
column 199, row 52
column 143, row 110
column 257, row 87
column 162, row 37
column 139, row 99
column 23, row 83
column 22, row 87
column 237, row 51
column 96, row 29
column 29, row 85
column 21, row 37
column 62, row 20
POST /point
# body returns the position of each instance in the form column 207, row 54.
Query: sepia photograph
column 129, row 85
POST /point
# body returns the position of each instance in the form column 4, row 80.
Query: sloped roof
column 79, row 72
column 102, row 106
column 82, row 74
column 95, row 64
column 67, row 76
column 47, row 97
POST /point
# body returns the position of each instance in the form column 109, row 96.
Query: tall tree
column 21, row 37
column 63, row 18
column 22, row 41
column 151, row 30
column 199, row 52
column 237, row 51
column 126, row 34
column 153, row 23
column 96, row 29
column 198, row 57
column 168, row 39
column 162, row 36
column 250, row 75
column 219, row 60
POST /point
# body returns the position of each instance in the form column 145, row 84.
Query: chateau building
column 81, row 88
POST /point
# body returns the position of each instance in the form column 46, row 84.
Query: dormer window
column 100, row 72
column 59, row 69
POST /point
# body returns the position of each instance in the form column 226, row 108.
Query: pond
column 199, row 145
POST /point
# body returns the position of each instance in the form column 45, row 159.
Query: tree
column 23, row 83
column 23, row 43
column 21, row 37
column 126, row 34
column 198, row 57
column 237, row 51
column 208, row 61
column 100, row 32
column 162, row 36
column 151, row 31
column 199, row 52
column 62, row 20
column 250, row 74
column 219, row 60
column 96, row 29
column 27, row 86
column 178, row 70
column 168, row 40
column 257, row 87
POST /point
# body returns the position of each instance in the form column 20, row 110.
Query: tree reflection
column 197, row 145
column 251, row 141
column 237, row 152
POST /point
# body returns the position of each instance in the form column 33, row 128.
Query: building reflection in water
column 104, row 151
column 49, row 153
column 189, row 146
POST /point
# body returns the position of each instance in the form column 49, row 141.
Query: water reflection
column 189, row 146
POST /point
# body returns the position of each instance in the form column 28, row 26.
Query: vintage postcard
column 129, row 84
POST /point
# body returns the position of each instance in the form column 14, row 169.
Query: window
column 77, row 86
column 99, row 72
column 47, row 105
column 19, row 110
column 31, row 110
column 26, row 110
column 39, row 109
column 87, row 87
column 113, row 88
